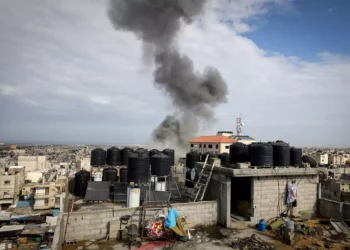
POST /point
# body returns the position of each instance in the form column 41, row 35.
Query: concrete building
column 215, row 144
column 321, row 158
column 32, row 163
column 335, row 198
column 47, row 196
column 339, row 159
column 11, row 183
column 19, row 151
column 83, row 164
column 261, row 193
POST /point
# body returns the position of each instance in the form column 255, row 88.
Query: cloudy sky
column 67, row 76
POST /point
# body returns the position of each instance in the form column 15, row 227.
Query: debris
column 225, row 232
column 312, row 231
column 311, row 247
column 328, row 245
column 251, row 243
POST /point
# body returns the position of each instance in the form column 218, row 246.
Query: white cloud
column 83, row 75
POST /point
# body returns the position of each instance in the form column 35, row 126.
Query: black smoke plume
column 194, row 94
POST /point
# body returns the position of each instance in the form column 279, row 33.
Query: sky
column 67, row 76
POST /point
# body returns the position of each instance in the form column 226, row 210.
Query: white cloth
column 292, row 193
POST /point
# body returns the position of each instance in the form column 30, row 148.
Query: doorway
column 241, row 196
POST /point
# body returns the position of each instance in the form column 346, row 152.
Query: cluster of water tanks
column 260, row 154
column 140, row 163
column 269, row 154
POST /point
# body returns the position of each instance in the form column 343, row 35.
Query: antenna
column 239, row 125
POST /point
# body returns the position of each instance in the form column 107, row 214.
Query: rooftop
column 213, row 139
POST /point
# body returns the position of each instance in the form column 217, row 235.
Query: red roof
column 213, row 139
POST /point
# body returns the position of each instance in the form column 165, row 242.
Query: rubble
column 253, row 243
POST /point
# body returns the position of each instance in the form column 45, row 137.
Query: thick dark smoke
column 194, row 94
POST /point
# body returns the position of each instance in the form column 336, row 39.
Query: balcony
column 41, row 206
column 39, row 195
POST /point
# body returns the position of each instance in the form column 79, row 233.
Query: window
column 7, row 182
column 191, row 145
column 200, row 145
column 46, row 201
column 46, row 191
column 204, row 146
column 217, row 146
column 227, row 147
column 210, row 146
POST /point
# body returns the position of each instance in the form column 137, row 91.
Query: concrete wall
column 269, row 195
column 94, row 225
column 219, row 189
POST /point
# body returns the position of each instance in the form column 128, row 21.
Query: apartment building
column 321, row 158
column 339, row 159
column 215, row 144
column 32, row 163
column 11, row 183
column 47, row 196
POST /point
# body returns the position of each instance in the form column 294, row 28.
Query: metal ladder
column 201, row 186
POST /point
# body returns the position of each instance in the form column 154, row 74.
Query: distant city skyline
column 66, row 75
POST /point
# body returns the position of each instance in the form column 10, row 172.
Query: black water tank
column 125, row 156
column 296, row 155
column 153, row 152
column 171, row 153
column 261, row 154
column 138, row 168
column 281, row 154
column 123, row 175
column 141, row 150
column 110, row 174
column 81, row 182
column 98, row 157
column 160, row 165
column 239, row 152
column 191, row 159
column 224, row 159
column 113, row 156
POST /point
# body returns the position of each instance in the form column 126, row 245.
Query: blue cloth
column 170, row 221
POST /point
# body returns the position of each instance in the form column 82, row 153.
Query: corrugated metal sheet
column 11, row 228
column 5, row 216
column 26, row 203
column 97, row 191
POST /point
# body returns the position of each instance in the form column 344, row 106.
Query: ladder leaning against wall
column 201, row 185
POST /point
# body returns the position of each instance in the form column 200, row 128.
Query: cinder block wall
column 94, row 225
column 268, row 191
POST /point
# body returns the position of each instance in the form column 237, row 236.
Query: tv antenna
column 239, row 125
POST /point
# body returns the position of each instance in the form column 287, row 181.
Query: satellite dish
column 242, row 124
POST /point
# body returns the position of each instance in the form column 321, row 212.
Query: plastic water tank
column 133, row 197
column 239, row 152
column 98, row 157
column 191, row 159
column 261, row 154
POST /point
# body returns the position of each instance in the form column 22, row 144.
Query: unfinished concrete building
column 261, row 193
column 11, row 183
